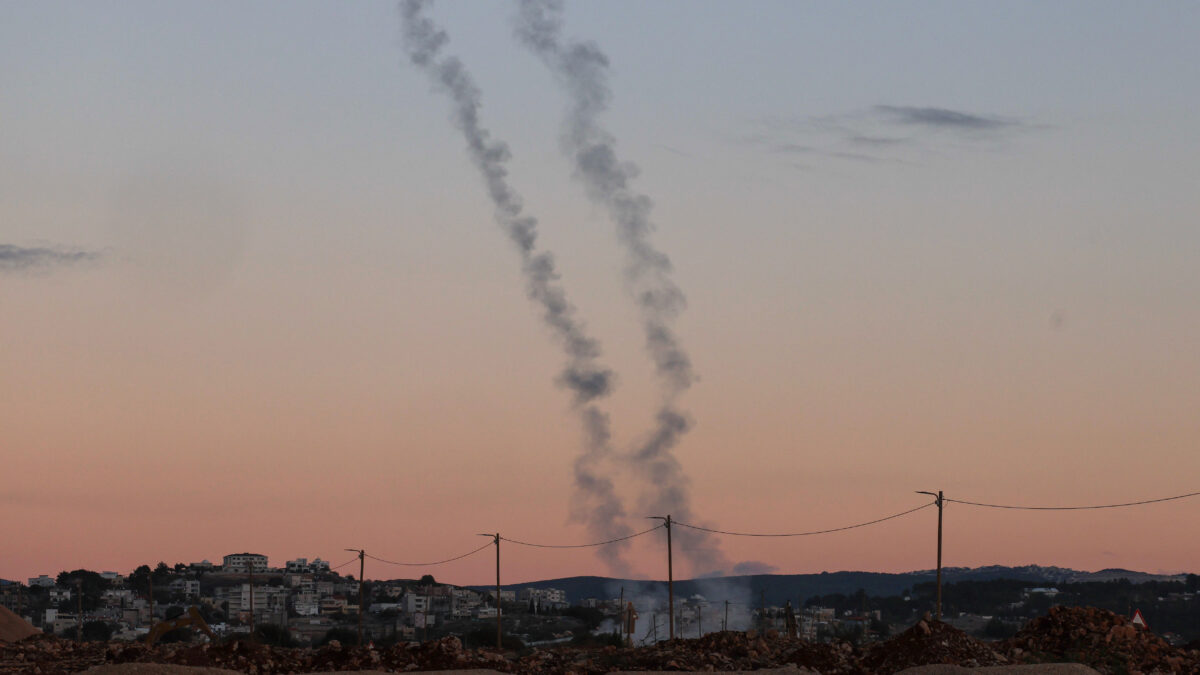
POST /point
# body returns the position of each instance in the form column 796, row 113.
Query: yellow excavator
column 192, row 618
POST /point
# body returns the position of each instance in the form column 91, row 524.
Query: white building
column 543, row 598
column 188, row 587
column 245, row 562
column 415, row 603
column 41, row 580
column 303, row 566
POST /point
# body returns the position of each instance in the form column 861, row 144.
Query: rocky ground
column 1100, row 639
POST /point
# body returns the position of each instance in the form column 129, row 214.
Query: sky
column 254, row 298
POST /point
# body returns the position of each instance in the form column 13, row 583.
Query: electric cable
column 597, row 543
column 428, row 564
column 803, row 534
column 343, row 564
column 1070, row 508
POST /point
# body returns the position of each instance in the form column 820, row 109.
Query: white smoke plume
column 595, row 502
column 582, row 69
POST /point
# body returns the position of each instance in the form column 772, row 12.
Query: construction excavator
column 192, row 618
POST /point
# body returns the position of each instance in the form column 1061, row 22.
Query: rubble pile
column 1105, row 641
column 1108, row 642
column 48, row 654
column 929, row 642
column 730, row 650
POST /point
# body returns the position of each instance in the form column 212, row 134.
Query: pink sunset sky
column 253, row 297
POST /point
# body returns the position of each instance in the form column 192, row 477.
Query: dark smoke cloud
column 595, row 501
column 582, row 69
column 21, row 259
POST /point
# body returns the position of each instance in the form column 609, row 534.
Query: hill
column 776, row 589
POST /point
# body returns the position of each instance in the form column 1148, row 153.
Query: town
column 307, row 603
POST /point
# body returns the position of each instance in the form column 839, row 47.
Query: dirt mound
column 1103, row 640
column 730, row 650
column 13, row 627
column 156, row 669
column 929, row 642
column 1040, row 669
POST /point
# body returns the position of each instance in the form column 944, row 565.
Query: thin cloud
column 22, row 259
column 883, row 133
column 753, row 567
column 942, row 118
column 875, row 141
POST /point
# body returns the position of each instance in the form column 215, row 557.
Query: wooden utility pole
column 250, row 578
column 621, row 608
column 499, row 618
column 699, row 621
column 940, row 502
column 361, row 565
column 79, row 631
column 762, row 608
column 670, row 578
column 725, row 623
column 499, row 629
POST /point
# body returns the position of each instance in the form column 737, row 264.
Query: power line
column 427, row 564
column 1071, row 508
column 597, row 543
column 343, row 564
column 805, row 534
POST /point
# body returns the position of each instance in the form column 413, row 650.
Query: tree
column 97, row 631
column 346, row 636
column 161, row 574
column 428, row 580
column 87, row 582
column 139, row 579
column 272, row 634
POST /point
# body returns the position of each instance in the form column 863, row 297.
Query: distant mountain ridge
column 778, row 588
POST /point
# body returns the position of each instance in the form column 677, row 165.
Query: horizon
column 270, row 282
column 505, row 583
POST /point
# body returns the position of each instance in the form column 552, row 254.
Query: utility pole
column 624, row 613
column 79, row 633
column 499, row 629
column 361, row 564
column 725, row 623
column 150, row 583
column 250, row 577
column 940, row 502
column 670, row 577
column 762, row 608
column 699, row 621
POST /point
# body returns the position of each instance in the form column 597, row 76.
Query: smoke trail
column 582, row 70
column 595, row 502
